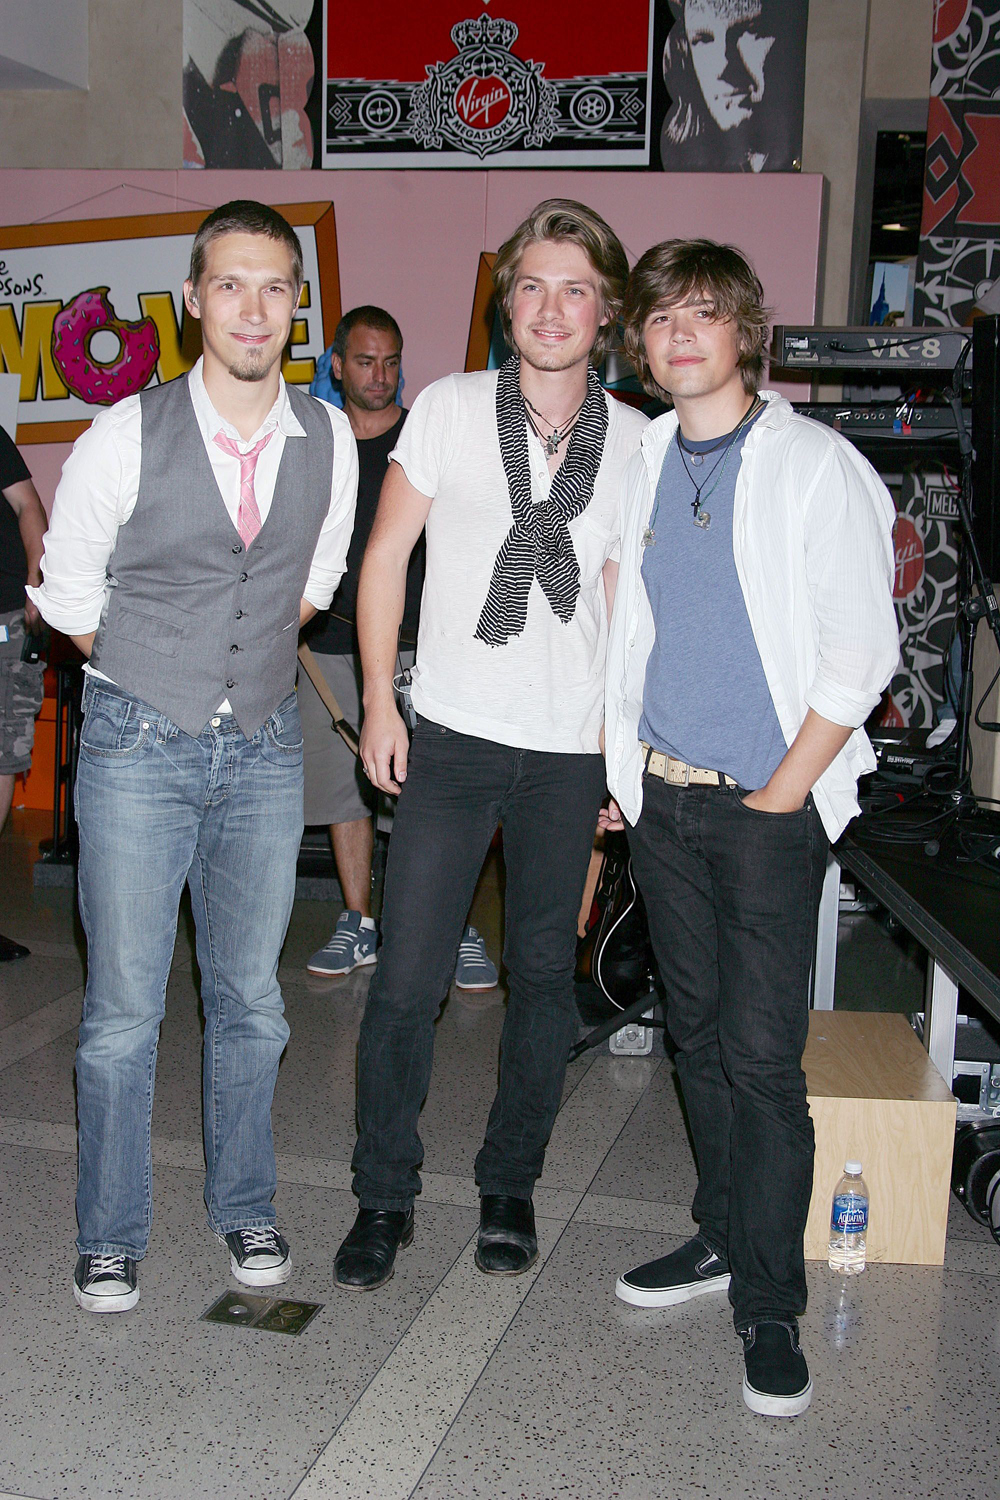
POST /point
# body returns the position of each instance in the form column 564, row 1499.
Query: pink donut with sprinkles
column 98, row 382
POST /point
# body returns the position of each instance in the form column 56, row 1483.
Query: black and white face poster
column 734, row 79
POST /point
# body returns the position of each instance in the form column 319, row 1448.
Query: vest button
column 233, row 650
column 243, row 577
column 230, row 682
column 239, row 614
column 237, row 549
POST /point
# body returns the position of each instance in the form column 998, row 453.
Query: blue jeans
column 458, row 788
column 156, row 808
column 732, row 896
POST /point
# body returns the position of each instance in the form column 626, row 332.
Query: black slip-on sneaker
column 685, row 1273
column 776, row 1382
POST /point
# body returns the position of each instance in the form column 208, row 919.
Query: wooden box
column 876, row 1097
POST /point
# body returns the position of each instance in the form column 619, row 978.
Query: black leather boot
column 366, row 1258
column 507, row 1244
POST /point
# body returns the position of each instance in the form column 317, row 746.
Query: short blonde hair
column 565, row 219
column 670, row 273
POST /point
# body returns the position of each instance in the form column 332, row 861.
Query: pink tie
column 248, row 516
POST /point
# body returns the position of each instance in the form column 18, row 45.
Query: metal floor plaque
column 274, row 1314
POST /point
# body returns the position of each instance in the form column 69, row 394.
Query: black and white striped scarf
column 538, row 544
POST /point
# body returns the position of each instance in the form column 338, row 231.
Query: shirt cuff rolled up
column 849, row 707
column 67, row 620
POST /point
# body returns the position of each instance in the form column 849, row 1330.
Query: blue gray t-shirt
column 705, row 699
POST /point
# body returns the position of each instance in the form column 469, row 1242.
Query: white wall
column 43, row 44
column 130, row 113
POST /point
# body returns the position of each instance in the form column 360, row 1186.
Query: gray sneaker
column 351, row 947
column 258, row 1257
column 474, row 969
column 105, row 1283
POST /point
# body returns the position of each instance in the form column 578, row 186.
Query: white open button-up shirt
column 812, row 540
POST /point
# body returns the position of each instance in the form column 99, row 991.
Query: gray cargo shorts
column 21, row 690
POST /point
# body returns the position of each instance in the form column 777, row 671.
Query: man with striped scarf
column 514, row 473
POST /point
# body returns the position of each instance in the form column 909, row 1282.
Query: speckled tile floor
column 445, row 1384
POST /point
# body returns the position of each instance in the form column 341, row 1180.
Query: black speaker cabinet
column 986, row 437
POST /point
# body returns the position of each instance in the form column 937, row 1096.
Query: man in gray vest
column 196, row 526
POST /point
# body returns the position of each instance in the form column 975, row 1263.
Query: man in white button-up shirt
column 753, row 633
column 196, row 525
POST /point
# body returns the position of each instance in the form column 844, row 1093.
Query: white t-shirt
column 543, row 690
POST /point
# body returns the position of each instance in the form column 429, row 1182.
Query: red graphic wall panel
column 456, row 84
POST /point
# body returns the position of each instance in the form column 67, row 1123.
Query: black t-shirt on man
column 333, row 630
column 13, row 562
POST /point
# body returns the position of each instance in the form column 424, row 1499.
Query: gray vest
column 191, row 617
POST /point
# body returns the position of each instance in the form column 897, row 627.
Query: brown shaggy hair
column 245, row 216
column 565, row 219
column 670, row 273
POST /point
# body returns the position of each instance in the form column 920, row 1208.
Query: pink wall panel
column 774, row 218
column 410, row 241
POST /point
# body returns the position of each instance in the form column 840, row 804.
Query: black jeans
column 732, row 896
column 457, row 789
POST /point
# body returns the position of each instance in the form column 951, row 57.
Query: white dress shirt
column 100, row 484
column 812, row 540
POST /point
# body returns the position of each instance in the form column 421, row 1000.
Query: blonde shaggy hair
column 565, row 219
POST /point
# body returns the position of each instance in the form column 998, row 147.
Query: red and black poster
column 925, row 590
column 959, row 259
column 493, row 83
column 958, row 269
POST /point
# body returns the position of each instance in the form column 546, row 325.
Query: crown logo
column 485, row 98
column 488, row 31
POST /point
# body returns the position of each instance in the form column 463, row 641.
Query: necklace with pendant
column 551, row 441
column 702, row 518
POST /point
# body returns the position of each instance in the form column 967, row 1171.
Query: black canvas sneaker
column 685, row 1273
column 776, row 1382
column 105, row 1283
column 259, row 1257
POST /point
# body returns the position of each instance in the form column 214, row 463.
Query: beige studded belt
column 678, row 772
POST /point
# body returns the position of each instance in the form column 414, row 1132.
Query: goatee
column 251, row 369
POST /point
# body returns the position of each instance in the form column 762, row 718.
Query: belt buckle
column 675, row 780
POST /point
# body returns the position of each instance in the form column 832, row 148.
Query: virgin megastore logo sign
column 514, row 89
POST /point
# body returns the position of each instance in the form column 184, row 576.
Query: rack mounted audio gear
column 894, row 350
column 891, row 420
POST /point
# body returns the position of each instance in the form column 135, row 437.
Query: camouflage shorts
column 21, row 689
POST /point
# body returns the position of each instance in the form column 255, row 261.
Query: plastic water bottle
column 849, row 1222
